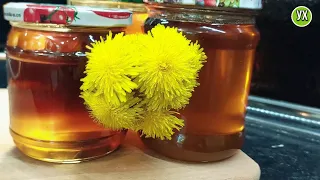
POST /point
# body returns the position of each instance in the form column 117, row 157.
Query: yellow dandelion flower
column 170, row 69
column 160, row 33
column 109, row 68
column 158, row 102
column 162, row 66
column 112, row 116
column 138, row 42
column 199, row 56
column 159, row 124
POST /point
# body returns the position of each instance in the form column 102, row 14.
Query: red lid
column 67, row 15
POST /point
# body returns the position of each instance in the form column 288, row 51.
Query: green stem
column 52, row 13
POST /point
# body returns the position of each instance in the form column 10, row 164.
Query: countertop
column 131, row 162
column 284, row 139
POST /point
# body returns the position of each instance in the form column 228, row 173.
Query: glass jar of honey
column 140, row 12
column 214, row 117
column 45, row 62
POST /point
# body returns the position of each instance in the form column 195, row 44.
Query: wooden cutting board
column 131, row 162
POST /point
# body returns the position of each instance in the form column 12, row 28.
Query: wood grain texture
column 131, row 162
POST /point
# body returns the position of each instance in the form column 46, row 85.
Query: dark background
column 288, row 59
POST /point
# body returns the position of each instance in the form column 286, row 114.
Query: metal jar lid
column 121, row 4
column 67, row 15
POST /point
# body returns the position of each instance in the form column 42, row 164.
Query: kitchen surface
column 282, row 130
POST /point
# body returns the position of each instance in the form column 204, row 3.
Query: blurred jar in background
column 140, row 13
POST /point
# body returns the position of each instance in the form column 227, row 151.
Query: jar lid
column 135, row 7
column 67, row 15
column 242, row 4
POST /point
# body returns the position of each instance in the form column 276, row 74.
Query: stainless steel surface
column 296, row 121
column 2, row 56
column 283, row 104
column 288, row 113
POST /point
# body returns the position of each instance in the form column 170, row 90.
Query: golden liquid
column 214, row 119
column 218, row 104
column 48, row 119
column 138, row 19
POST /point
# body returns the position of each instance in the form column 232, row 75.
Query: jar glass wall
column 214, row 118
column 48, row 120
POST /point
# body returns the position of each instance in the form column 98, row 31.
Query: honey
column 214, row 118
column 48, row 118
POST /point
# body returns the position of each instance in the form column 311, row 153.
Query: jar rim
column 204, row 9
column 135, row 7
column 59, row 27
column 200, row 14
